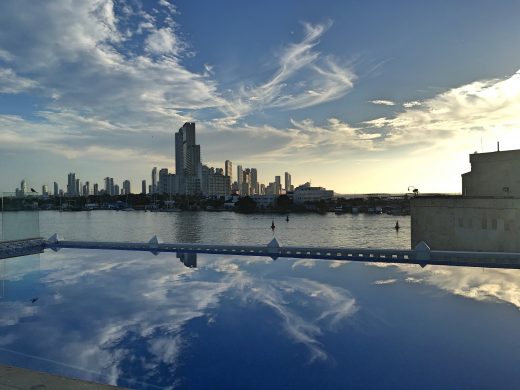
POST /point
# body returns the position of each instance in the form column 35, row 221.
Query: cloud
column 11, row 83
column 303, row 78
column 385, row 281
column 383, row 102
column 162, row 41
column 489, row 106
column 411, row 104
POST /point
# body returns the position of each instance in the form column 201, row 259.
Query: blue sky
column 357, row 96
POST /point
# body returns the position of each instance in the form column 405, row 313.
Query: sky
column 356, row 96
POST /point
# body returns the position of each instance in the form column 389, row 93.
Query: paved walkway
column 12, row 378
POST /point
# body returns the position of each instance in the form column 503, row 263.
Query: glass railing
column 19, row 216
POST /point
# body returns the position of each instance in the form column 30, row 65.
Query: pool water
column 198, row 322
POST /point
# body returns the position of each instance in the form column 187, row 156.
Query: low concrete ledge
column 24, row 379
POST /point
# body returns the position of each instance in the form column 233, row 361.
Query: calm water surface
column 145, row 321
column 228, row 227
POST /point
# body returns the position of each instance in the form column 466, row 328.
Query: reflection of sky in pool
column 139, row 320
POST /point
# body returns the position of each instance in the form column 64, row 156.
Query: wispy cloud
column 324, row 80
column 383, row 102
column 12, row 83
column 489, row 106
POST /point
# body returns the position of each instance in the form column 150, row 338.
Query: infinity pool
column 182, row 321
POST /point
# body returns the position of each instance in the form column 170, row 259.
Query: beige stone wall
column 462, row 223
column 493, row 174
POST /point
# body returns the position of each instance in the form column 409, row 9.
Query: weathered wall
column 493, row 174
column 471, row 224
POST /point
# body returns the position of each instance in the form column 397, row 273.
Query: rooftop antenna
column 498, row 146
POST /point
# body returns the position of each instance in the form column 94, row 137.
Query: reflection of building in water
column 188, row 259
column 487, row 215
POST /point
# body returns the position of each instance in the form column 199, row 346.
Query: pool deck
column 22, row 379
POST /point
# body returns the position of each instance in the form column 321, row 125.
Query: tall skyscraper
column 228, row 170
column 109, row 186
column 143, row 187
column 86, row 191
column 116, row 190
column 187, row 159
column 126, row 187
column 240, row 178
column 96, row 189
column 278, row 185
column 287, row 182
column 76, row 191
column 254, row 181
column 162, row 187
column 71, row 184
column 56, row 189
column 45, row 190
column 154, row 180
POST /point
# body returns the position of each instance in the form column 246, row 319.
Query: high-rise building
column 254, row 181
column 277, row 185
column 56, row 189
column 228, row 170
column 116, row 190
column 126, row 187
column 109, row 186
column 154, row 180
column 213, row 182
column 143, row 187
column 71, row 184
column 187, row 159
column 162, row 187
column 86, row 190
column 76, row 191
column 240, row 178
column 45, row 190
column 96, row 189
column 287, row 182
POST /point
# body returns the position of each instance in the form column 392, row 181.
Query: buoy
column 397, row 225
column 272, row 226
column 287, row 218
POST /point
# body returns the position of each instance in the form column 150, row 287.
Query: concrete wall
column 493, row 174
column 467, row 224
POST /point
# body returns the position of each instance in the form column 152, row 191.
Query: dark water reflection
column 199, row 322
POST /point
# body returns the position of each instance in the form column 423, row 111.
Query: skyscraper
column 254, row 181
column 96, row 189
column 71, row 184
column 278, row 185
column 228, row 170
column 187, row 159
column 162, row 187
column 45, row 190
column 287, row 182
column 126, row 187
column 240, row 178
column 56, row 189
column 143, row 187
column 154, row 180
column 76, row 191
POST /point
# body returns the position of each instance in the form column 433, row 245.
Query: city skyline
column 192, row 177
column 341, row 94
